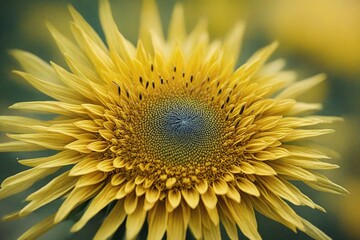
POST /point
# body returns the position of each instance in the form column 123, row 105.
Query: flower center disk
column 180, row 130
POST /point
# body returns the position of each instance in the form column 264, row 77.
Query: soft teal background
column 22, row 26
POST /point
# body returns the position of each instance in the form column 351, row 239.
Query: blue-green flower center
column 183, row 124
column 181, row 130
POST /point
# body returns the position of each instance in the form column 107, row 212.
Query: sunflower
column 167, row 133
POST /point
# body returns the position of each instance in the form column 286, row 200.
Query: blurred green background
column 314, row 36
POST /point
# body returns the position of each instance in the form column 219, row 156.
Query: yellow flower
column 167, row 132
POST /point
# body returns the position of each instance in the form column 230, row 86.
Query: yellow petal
column 17, row 124
column 247, row 168
column 56, row 91
column 87, row 125
column 247, row 186
column 209, row 198
column 105, row 165
column 177, row 30
column 75, row 57
column 322, row 183
column 140, row 190
column 19, row 146
column 52, row 141
column 106, row 196
column 135, row 221
column 213, row 215
column 232, row 42
column 212, row 232
column 309, row 163
column 196, row 40
column 302, row 108
column 56, row 188
column 271, row 154
column 62, row 158
column 175, row 227
column 148, row 205
column 174, row 198
column 152, row 195
column 131, row 203
column 61, row 108
column 292, row 171
column 220, row 187
column 305, row 200
column 278, row 188
column 269, row 210
column 256, row 61
column 245, row 218
column 97, row 110
column 233, row 193
column 305, row 152
column 201, row 186
column 229, row 225
column 80, row 145
column 79, row 20
column 86, row 166
column 191, row 196
column 75, row 82
column 170, row 182
column 195, row 222
column 77, row 196
column 112, row 222
column 205, row 220
column 117, row 43
column 280, row 208
column 267, row 123
column 273, row 67
column 157, row 218
column 118, row 179
column 98, row 56
column 263, row 169
column 23, row 180
column 313, row 231
column 39, row 229
column 298, row 88
column 35, row 66
column 130, row 186
column 302, row 133
column 91, row 179
column 150, row 21
column 121, row 193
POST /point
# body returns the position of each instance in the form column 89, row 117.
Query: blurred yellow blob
column 327, row 31
column 32, row 25
column 220, row 14
column 349, row 212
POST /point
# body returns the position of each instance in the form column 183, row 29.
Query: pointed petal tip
column 321, row 76
column 345, row 192
column 49, row 25
column 239, row 27
column 14, row 106
column 52, row 29
column 273, row 46
column 15, row 52
column 150, row 19
column 18, row 73
column 104, row 6
column 71, row 9
column 77, row 226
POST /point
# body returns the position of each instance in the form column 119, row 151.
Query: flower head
column 166, row 133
